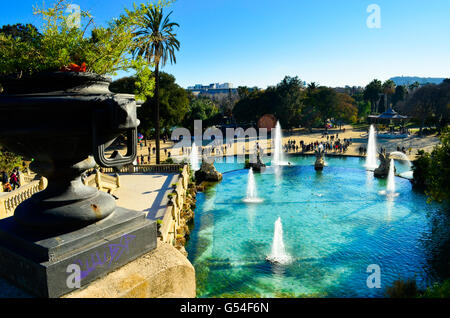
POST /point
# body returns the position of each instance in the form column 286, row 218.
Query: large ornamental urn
column 65, row 121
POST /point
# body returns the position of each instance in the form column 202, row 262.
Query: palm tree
column 388, row 90
column 156, row 43
column 312, row 87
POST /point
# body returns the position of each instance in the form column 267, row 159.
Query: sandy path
column 358, row 139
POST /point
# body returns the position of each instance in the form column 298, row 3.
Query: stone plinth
column 38, row 263
column 162, row 273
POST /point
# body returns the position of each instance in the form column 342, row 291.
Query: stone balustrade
column 103, row 182
column 10, row 200
column 163, row 168
column 171, row 221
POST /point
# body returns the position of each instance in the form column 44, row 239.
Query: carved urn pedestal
column 257, row 166
column 382, row 171
column 207, row 172
column 320, row 162
column 69, row 234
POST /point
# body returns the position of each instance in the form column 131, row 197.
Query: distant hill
column 407, row 80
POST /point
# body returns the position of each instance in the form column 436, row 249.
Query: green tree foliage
column 438, row 290
column 174, row 105
column 362, row 105
column 25, row 51
column 201, row 109
column 124, row 85
column 289, row 101
column 432, row 171
column 346, row 109
column 372, row 94
column 27, row 33
column 403, row 289
column 409, row 289
column 388, row 90
column 325, row 100
column 142, row 84
column 285, row 102
column 429, row 104
column 174, row 101
column 400, row 94
column 254, row 105
column 9, row 160
column 293, row 104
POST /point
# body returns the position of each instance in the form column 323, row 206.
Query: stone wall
column 162, row 273
column 179, row 212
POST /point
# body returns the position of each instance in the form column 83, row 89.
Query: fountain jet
column 278, row 254
column 391, row 178
column 371, row 157
column 194, row 158
column 278, row 158
column 390, row 188
column 252, row 195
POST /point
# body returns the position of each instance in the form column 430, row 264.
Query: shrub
column 420, row 169
column 438, row 290
column 403, row 289
column 9, row 160
column 168, row 161
column 61, row 45
column 432, row 172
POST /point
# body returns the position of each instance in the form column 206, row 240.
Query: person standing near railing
column 14, row 180
column 5, row 182
column 4, row 177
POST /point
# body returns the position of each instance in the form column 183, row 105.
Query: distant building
column 212, row 89
column 350, row 90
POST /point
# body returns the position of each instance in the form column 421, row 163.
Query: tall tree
column 399, row 95
column 23, row 32
column 372, row 94
column 414, row 86
column 346, row 109
column 312, row 87
column 289, row 101
column 156, row 42
column 388, row 90
column 422, row 105
column 325, row 99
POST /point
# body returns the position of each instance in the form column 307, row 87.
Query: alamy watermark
column 374, row 19
column 74, row 19
column 245, row 144
column 374, row 279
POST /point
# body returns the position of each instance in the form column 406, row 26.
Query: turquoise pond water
column 335, row 224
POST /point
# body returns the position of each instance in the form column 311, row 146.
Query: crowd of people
column 333, row 143
column 11, row 182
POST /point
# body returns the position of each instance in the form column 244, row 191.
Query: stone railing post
column 43, row 182
column 98, row 179
column 117, row 180
column 2, row 208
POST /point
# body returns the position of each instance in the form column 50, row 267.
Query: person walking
column 14, row 180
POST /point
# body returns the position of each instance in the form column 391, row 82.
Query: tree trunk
column 421, row 126
column 158, row 153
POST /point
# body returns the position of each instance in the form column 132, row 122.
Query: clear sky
column 258, row 42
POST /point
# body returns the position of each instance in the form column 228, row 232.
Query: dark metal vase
column 60, row 120
column 65, row 121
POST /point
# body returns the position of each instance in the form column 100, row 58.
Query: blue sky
column 258, row 42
